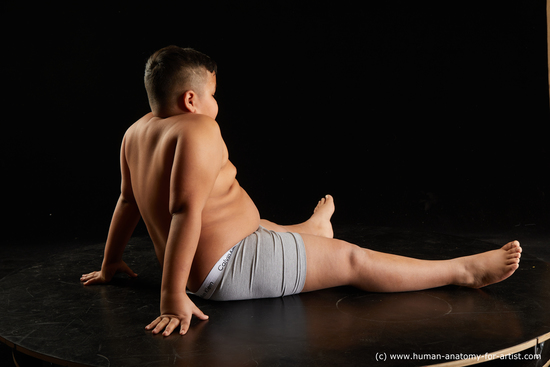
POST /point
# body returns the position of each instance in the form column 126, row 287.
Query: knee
column 272, row 226
column 357, row 258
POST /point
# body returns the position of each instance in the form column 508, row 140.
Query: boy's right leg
column 333, row 263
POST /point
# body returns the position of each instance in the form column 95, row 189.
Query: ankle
column 461, row 275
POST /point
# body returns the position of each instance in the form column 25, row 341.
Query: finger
column 85, row 277
column 90, row 280
column 129, row 271
column 184, row 328
column 198, row 313
column 153, row 323
column 161, row 325
column 171, row 326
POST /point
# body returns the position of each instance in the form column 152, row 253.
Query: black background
column 407, row 112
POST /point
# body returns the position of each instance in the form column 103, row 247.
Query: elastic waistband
column 215, row 276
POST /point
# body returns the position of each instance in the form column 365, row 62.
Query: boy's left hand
column 106, row 273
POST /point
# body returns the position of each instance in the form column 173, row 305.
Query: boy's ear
column 188, row 101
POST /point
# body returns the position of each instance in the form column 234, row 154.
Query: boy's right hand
column 176, row 310
column 106, row 273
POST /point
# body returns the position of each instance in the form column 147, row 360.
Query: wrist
column 173, row 293
column 109, row 262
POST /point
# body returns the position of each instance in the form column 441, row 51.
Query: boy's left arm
column 125, row 219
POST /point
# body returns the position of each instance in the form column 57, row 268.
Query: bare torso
column 229, row 214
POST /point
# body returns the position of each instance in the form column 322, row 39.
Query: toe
column 511, row 246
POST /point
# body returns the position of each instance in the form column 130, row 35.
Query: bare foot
column 320, row 220
column 318, row 224
column 490, row 267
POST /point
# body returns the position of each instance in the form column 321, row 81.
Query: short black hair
column 175, row 69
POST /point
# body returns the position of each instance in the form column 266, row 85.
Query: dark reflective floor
column 45, row 310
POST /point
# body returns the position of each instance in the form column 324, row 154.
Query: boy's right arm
column 197, row 164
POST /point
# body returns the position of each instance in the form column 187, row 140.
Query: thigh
column 266, row 264
column 329, row 262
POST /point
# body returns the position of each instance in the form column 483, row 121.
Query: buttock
column 265, row 264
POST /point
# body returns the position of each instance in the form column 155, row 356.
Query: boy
column 207, row 232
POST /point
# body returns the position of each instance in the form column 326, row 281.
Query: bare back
column 147, row 157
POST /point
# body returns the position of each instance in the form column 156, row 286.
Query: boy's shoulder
column 188, row 126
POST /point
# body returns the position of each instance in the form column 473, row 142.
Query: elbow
column 177, row 209
column 127, row 199
column 185, row 209
column 176, row 212
column 185, row 217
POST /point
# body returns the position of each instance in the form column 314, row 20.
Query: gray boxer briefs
column 265, row 264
